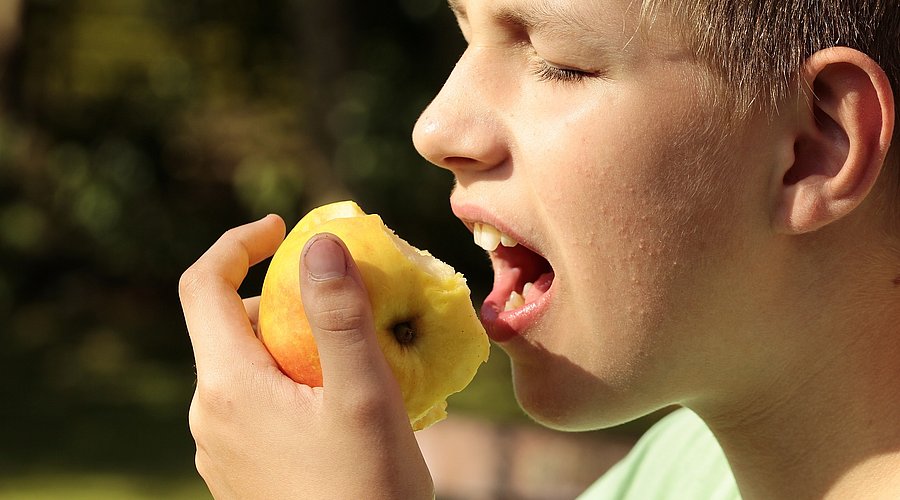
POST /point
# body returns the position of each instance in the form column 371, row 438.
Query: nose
column 461, row 129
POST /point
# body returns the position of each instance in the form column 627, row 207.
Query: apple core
column 424, row 320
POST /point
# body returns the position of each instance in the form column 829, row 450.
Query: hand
column 261, row 435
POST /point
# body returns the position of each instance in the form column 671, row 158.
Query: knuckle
column 201, row 463
column 339, row 319
column 195, row 420
column 214, row 397
column 233, row 243
column 339, row 311
column 231, row 235
column 230, row 253
column 192, row 282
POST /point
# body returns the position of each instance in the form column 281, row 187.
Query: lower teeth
column 516, row 299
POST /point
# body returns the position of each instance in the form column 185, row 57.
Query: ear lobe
column 841, row 141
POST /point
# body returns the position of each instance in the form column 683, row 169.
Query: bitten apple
column 424, row 319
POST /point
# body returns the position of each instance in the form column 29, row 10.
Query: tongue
column 531, row 291
column 514, row 268
column 538, row 288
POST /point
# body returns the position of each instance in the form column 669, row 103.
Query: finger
column 340, row 316
column 251, row 305
column 217, row 320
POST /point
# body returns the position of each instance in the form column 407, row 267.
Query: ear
column 841, row 140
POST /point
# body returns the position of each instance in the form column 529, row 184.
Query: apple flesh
column 425, row 323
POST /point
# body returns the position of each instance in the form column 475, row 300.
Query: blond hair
column 756, row 48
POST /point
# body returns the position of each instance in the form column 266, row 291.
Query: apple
column 425, row 323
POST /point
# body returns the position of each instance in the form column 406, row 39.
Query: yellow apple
column 424, row 320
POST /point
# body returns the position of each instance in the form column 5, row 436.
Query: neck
column 828, row 425
column 819, row 441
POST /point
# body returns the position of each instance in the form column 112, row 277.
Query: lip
column 501, row 325
column 470, row 215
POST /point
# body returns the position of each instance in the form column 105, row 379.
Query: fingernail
column 325, row 259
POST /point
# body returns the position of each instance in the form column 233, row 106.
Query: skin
column 259, row 434
column 687, row 269
column 749, row 275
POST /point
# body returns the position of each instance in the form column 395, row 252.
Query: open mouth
column 522, row 280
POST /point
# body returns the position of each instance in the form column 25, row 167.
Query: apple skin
column 425, row 323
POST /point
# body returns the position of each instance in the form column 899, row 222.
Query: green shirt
column 677, row 459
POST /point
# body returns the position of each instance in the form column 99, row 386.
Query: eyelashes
column 546, row 72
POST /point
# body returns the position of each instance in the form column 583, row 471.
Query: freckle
column 896, row 280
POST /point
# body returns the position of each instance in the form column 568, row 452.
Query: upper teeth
column 489, row 237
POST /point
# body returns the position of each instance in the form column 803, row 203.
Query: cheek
column 641, row 201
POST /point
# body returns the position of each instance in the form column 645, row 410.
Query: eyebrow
column 540, row 16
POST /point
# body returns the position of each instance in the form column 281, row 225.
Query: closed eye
column 547, row 72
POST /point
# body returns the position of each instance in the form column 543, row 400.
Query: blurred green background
column 132, row 133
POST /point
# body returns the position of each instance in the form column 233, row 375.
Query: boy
column 705, row 199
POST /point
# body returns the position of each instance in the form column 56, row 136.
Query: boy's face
column 593, row 146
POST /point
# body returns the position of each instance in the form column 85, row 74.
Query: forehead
column 618, row 22
column 585, row 14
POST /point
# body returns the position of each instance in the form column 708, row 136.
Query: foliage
column 133, row 132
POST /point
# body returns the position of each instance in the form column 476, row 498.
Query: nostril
column 461, row 138
column 461, row 163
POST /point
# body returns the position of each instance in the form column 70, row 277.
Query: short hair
column 755, row 51
column 757, row 47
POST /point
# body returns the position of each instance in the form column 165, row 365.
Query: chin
column 566, row 397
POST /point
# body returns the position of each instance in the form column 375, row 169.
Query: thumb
column 340, row 316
